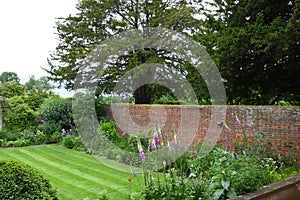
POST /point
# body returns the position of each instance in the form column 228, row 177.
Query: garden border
column 287, row 189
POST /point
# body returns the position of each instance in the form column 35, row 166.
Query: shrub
column 56, row 137
column 173, row 186
column 72, row 142
column 21, row 181
column 110, row 130
column 18, row 116
column 56, row 114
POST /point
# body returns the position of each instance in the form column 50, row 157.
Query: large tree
column 98, row 20
column 9, row 77
column 256, row 45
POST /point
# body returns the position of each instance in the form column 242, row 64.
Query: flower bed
column 225, row 172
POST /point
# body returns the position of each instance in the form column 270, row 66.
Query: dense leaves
column 56, row 114
column 9, row 77
column 21, row 181
column 18, row 116
column 99, row 20
column 256, row 45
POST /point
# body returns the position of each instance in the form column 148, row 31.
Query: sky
column 27, row 34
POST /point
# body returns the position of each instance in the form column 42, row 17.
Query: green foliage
column 56, row 137
column 173, row 186
column 56, row 114
column 42, row 84
column 73, row 142
column 12, row 89
column 93, row 24
column 18, row 116
column 255, row 44
column 166, row 99
column 20, row 181
column 230, row 175
column 110, row 130
column 35, row 98
column 9, row 77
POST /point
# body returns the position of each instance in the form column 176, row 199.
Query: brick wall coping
column 287, row 189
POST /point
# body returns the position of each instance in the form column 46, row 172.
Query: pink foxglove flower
column 155, row 141
column 227, row 128
column 175, row 139
column 238, row 121
column 141, row 152
column 159, row 132
column 169, row 146
column 132, row 172
column 149, row 147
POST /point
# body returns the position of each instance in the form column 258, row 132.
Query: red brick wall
column 193, row 123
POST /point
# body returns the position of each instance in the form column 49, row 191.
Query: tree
column 256, row 45
column 98, row 20
column 42, row 84
column 9, row 77
column 18, row 116
column 11, row 89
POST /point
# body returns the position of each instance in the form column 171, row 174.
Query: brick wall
column 194, row 123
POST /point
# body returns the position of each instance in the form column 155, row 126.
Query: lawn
column 75, row 175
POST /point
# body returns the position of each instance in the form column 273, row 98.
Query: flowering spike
column 238, row 121
column 165, row 164
column 132, row 172
column 225, row 125
column 141, row 152
column 175, row 139
column 149, row 147
column 155, row 141
column 169, row 146
column 159, row 131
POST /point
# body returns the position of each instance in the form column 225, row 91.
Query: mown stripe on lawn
column 96, row 175
column 86, row 167
column 70, row 171
column 80, row 173
column 111, row 164
column 63, row 192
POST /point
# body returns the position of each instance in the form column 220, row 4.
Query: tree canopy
column 255, row 44
column 9, row 77
column 99, row 20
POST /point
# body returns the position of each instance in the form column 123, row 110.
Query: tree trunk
column 142, row 95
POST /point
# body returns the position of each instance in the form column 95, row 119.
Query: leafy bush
column 40, row 138
column 72, row 142
column 21, row 181
column 166, row 99
column 110, row 130
column 56, row 114
column 18, row 116
column 175, row 187
column 56, row 137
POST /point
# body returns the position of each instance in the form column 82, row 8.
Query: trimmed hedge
column 21, row 181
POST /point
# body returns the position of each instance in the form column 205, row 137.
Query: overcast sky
column 27, row 34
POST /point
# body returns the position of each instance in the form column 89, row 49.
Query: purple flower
column 132, row 172
column 141, row 152
column 238, row 121
column 175, row 139
column 149, row 147
column 159, row 132
column 155, row 141
column 225, row 125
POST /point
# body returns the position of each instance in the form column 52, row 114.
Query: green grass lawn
column 75, row 175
